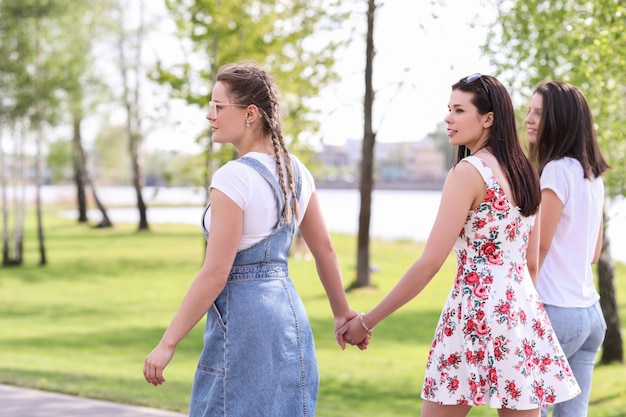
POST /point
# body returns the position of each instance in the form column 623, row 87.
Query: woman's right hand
column 155, row 363
column 354, row 333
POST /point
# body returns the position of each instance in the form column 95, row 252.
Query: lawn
column 83, row 324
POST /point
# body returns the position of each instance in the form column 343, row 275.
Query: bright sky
column 426, row 54
column 423, row 53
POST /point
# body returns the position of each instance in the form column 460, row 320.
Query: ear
column 488, row 120
column 252, row 113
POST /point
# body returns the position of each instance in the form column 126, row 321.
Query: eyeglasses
column 216, row 108
column 478, row 76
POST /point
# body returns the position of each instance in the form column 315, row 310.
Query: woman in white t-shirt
column 259, row 354
column 564, row 147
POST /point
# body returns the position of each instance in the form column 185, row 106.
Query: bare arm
column 551, row 209
column 224, row 236
column 532, row 251
column 464, row 188
column 598, row 250
column 315, row 233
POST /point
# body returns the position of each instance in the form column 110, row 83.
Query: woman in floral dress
column 494, row 344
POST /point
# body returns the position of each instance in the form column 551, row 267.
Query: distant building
column 402, row 165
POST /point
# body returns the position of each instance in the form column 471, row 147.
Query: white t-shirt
column 250, row 191
column 566, row 278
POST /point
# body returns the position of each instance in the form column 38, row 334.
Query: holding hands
column 355, row 332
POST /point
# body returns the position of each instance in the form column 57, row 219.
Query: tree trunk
column 363, row 278
column 39, row 152
column 19, row 197
column 132, row 103
column 612, row 347
column 79, row 172
column 5, row 208
column 80, row 164
column 105, row 222
column 137, row 184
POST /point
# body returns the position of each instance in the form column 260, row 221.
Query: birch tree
column 583, row 43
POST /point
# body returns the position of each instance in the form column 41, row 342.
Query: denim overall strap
column 267, row 258
column 265, row 173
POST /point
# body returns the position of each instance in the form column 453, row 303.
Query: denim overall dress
column 259, row 356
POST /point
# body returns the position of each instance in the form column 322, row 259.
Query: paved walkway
column 24, row 402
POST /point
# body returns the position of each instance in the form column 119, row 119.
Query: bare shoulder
column 464, row 182
column 465, row 173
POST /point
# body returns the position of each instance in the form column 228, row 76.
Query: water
column 395, row 214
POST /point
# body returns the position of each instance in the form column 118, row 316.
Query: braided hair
column 251, row 84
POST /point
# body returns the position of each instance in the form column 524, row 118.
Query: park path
column 25, row 402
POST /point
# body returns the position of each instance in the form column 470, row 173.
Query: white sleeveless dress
column 494, row 344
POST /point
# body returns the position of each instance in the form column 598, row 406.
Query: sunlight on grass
column 84, row 323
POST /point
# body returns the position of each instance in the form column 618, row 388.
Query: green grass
column 83, row 324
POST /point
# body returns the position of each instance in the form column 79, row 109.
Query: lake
column 401, row 214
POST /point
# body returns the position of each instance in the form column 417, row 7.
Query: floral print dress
column 494, row 344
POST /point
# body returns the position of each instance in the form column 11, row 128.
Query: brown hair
column 250, row 84
column 491, row 96
column 566, row 129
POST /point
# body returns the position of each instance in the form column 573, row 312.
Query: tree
column 129, row 46
column 82, row 89
column 31, row 73
column 293, row 39
column 367, row 161
column 583, row 43
column 13, row 75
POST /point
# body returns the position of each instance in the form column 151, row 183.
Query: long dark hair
column 249, row 83
column 566, row 129
column 491, row 96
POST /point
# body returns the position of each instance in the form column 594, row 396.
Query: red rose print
column 478, row 398
column 500, row 204
column 469, row 326
column 489, row 195
column 482, row 328
column 454, row 384
column 539, row 391
column 473, row 386
column 493, row 376
column 479, row 223
column 472, row 278
column 481, row 292
column 528, row 350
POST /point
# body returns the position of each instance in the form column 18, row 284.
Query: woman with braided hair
column 259, row 355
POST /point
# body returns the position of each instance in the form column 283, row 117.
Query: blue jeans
column 581, row 333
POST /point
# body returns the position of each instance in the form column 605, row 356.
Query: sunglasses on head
column 478, row 76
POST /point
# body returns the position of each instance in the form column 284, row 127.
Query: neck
column 261, row 145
